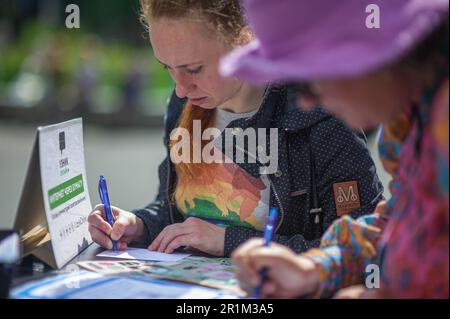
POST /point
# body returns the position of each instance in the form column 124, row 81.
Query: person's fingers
column 155, row 243
column 167, row 235
column 270, row 289
column 102, row 232
column 95, row 219
column 351, row 292
column 119, row 227
column 244, row 282
column 258, row 258
column 99, row 207
column 182, row 240
column 249, row 275
column 99, row 237
column 116, row 212
column 269, row 257
column 122, row 245
column 242, row 251
column 172, row 233
column 240, row 255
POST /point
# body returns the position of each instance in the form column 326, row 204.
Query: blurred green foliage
column 111, row 43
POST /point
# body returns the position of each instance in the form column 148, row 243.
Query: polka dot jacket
column 324, row 171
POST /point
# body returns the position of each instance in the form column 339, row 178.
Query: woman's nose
column 181, row 91
column 183, row 87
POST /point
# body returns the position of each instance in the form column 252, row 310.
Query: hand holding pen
column 276, row 271
column 107, row 226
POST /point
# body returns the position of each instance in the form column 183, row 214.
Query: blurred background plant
column 103, row 71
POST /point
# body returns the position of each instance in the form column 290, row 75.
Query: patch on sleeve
column 346, row 197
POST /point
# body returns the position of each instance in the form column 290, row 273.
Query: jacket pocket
column 300, row 192
column 299, row 199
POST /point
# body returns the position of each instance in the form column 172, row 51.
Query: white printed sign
column 63, row 203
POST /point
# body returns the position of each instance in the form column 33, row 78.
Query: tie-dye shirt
column 412, row 246
column 231, row 196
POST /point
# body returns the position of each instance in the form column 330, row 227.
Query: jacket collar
column 295, row 118
column 279, row 109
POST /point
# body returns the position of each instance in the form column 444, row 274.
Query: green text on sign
column 65, row 191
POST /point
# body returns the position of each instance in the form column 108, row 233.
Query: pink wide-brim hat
column 316, row 39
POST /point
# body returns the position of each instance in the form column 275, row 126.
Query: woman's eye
column 195, row 71
column 168, row 69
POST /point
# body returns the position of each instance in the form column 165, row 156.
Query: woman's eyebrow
column 182, row 65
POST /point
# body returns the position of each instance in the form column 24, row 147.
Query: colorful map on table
column 211, row 272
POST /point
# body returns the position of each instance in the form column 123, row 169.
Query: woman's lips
column 198, row 100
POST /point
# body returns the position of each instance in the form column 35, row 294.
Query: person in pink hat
column 369, row 62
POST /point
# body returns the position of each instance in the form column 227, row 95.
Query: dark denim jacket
column 304, row 139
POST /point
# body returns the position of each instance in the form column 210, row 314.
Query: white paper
column 143, row 254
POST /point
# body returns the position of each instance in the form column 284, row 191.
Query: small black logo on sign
column 62, row 141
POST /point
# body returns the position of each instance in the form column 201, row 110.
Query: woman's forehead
column 182, row 41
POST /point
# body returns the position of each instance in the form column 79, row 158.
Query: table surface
column 33, row 269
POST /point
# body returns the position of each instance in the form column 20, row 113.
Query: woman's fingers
column 171, row 233
column 122, row 245
column 102, row 232
column 119, row 228
column 182, row 240
column 245, row 283
column 270, row 290
column 95, row 219
column 167, row 235
column 99, row 237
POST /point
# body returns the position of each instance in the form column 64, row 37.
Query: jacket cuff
column 143, row 215
column 327, row 259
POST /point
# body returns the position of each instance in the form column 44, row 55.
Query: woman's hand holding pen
column 127, row 227
column 193, row 233
column 288, row 275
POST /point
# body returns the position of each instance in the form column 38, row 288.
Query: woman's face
column 191, row 53
column 365, row 101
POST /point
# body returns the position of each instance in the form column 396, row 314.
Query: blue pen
column 268, row 234
column 103, row 191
